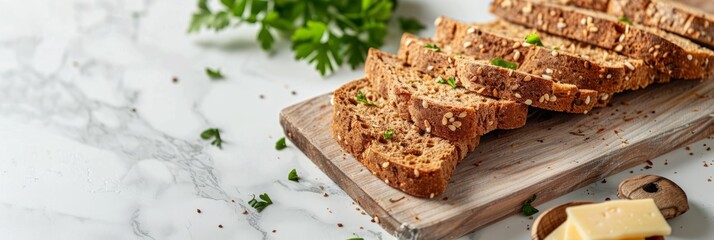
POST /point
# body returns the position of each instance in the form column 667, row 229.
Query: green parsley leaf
column 452, row 82
column 433, row 47
column 410, row 25
column 214, row 73
column 625, row 20
column 527, row 208
column 280, row 144
column 260, row 205
column 556, row 48
column 361, row 98
column 292, row 176
column 503, row 63
column 533, row 38
column 326, row 34
column 215, row 134
column 388, row 134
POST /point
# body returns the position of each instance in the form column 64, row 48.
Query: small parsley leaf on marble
column 432, row 47
column 361, row 98
column 533, row 38
column 292, row 176
column 280, row 144
column 215, row 134
column 260, row 205
column 388, row 134
column 527, row 208
column 410, row 25
column 214, row 73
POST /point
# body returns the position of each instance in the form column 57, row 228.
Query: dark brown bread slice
column 411, row 160
column 668, row 53
column 495, row 81
column 667, row 15
column 576, row 63
column 439, row 109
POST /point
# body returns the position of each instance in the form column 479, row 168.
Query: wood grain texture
column 554, row 154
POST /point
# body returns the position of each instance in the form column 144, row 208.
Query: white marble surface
column 99, row 143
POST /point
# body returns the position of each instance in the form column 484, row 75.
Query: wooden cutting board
column 555, row 153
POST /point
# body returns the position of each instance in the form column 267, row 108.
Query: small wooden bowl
column 551, row 219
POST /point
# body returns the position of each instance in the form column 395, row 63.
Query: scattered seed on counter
column 174, row 79
column 198, row 210
column 604, row 181
column 220, row 226
column 261, row 96
column 340, row 225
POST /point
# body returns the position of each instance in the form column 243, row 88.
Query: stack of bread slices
column 418, row 113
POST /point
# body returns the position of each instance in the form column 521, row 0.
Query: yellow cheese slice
column 619, row 219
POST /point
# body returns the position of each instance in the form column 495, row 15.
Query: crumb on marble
column 340, row 225
column 198, row 210
column 325, row 195
column 220, row 225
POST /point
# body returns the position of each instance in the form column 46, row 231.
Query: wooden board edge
column 360, row 197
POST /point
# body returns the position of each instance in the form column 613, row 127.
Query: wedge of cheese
column 619, row 219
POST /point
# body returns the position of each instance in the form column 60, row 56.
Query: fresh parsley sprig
column 326, row 33
column 260, row 205
column 215, row 134
column 528, row 209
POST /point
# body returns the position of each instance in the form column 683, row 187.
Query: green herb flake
column 260, row 205
column 625, row 20
column 280, row 144
column 432, row 47
column 504, row 64
column 214, row 73
column 215, row 134
column 451, row 81
column 410, row 25
column 388, row 134
column 556, row 48
column 361, row 98
column 292, row 176
column 527, row 208
column 534, row 39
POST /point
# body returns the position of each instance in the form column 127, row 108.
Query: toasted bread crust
column 668, row 53
column 355, row 129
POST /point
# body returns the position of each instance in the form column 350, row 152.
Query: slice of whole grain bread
column 410, row 159
column 667, row 15
column 495, row 81
column 668, row 53
column 573, row 62
column 439, row 108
